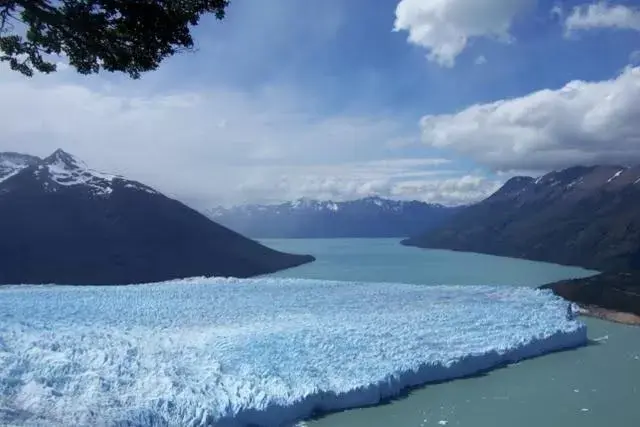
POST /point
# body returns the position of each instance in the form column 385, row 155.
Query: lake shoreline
column 609, row 315
column 612, row 296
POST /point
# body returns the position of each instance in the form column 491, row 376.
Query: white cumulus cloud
column 444, row 27
column 603, row 15
column 580, row 123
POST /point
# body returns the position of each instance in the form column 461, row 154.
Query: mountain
column 12, row 163
column 584, row 216
column 304, row 218
column 62, row 222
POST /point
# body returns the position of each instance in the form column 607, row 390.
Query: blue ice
column 264, row 352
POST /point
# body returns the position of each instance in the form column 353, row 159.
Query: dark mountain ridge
column 306, row 218
column 585, row 216
column 62, row 222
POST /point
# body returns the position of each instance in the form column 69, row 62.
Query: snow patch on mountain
column 8, row 174
column 575, row 182
column 140, row 187
column 12, row 163
column 615, row 175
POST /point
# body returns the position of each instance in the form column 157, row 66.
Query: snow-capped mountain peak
column 64, row 160
column 63, row 170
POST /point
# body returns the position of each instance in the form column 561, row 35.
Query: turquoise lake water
column 595, row 386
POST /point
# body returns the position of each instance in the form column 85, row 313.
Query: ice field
column 264, row 352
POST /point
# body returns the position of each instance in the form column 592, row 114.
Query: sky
column 434, row 100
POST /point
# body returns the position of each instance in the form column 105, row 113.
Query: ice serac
column 260, row 352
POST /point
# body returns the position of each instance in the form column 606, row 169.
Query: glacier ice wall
column 260, row 352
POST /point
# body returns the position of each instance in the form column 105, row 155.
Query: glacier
column 261, row 352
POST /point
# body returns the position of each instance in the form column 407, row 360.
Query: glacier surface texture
column 263, row 352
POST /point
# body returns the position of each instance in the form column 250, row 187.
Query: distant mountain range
column 584, row 216
column 305, row 218
column 62, row 222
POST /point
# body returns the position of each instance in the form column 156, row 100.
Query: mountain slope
column 585, row 216
column 370, row 217
column 62, row 222
column 12, row 163
column 613, row 291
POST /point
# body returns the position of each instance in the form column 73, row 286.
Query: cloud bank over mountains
column 217, row 140
column 580, row 123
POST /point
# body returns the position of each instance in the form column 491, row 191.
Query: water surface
column 385, row 260
column 590, row 387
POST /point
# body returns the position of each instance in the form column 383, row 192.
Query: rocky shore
column 610, row 296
